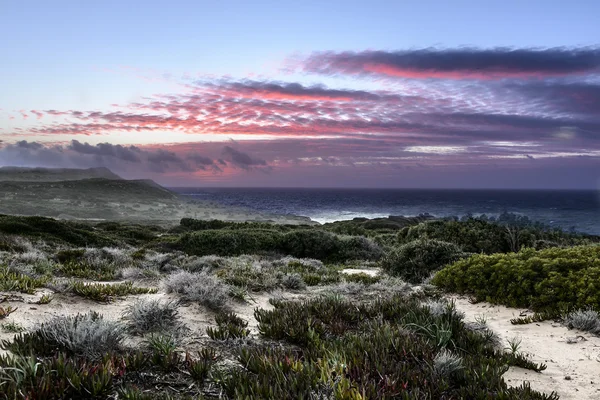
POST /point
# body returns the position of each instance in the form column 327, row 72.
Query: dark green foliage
column 69, row 255
column 546, row 280
column 190, row 224
column 370, row 227
column 416, row 260
column 230, row 242
column 131, row 233
column 482, row 235
column 199, row 368
column 229, row 326
column 78, row 234
column 301, row 243
column 310, row 244
column 295, row 323
column 107, row 292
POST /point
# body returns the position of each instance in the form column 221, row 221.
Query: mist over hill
column 99, row 194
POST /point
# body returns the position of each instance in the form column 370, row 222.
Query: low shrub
column 250, row 272
column 545, row 280
column 415, row 261
column 107, row 292
column 13, row 281
column 88, row 335
column 293, row 281
column 151, row 315
column 201, row 287
column 26, row 377
column 229, row 326
column 584, row 320
column 83, row 270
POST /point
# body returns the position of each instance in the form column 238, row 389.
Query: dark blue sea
column 579, row 210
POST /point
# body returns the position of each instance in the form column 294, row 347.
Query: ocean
column 567, row 209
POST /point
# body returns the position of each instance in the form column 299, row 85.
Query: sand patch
column 573, row 369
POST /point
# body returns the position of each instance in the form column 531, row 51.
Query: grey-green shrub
column 200, row 287
column 88, row 335
column 585, row 320
column 152, row 315
column 293, row 281
column 446, row 363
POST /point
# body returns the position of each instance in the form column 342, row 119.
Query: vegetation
column 107, row 292
column 299, row 243
column 507, row 233
column 369, row 337
column 550, row 279
column 88, row 335
column 416, row 260
column 150, row 316
column 385, row 349
column 16, row 282
column 229, row 326
column 200, row 287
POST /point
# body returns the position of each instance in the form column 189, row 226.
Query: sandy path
column 573, row 369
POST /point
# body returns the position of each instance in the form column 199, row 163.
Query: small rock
column 567, row 378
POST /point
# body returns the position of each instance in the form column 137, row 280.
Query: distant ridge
column 25, row 174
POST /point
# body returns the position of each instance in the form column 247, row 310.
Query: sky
column 415, row 94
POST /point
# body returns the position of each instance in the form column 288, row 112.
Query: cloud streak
column 462, row 63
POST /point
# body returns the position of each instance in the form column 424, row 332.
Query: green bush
column 545, row 280
column 416, row 260
column 480, row 235
column 311, row 244
column 301, row 243
column 230, row 243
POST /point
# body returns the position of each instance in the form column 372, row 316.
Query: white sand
column 368, row 271
column 573, row 369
